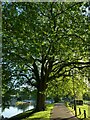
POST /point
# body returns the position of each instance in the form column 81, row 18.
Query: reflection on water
column 11, row 111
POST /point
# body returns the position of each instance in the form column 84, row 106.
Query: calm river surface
column 11, row 111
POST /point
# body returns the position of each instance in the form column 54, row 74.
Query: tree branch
column 36, row 72
column 76, row 36
column 58, row 74
column 29, row 79
column 63, row 11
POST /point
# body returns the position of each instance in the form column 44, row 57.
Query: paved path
column 61, row 112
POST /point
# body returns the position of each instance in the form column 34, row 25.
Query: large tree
column 42, row 42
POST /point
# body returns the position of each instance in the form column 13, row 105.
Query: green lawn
column 43, row 115
column 82, row 108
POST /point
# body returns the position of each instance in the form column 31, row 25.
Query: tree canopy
column 42, row 42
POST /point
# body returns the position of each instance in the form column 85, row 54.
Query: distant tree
column 64, row 87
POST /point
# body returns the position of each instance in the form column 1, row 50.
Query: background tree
column 42, row 42
column 62, row 88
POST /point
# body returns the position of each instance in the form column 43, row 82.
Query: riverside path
column 61, row 112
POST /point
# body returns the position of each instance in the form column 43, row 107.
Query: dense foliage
column 42, row 42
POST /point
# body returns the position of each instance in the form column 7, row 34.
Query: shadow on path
column 61, row 112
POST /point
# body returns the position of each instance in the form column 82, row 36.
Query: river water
column 11, row 111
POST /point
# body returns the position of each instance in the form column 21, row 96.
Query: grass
column 42, row 115
column 82, row 108
column 30, row 115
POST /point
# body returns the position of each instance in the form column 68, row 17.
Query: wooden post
column 84, row 113
column 72, row 106
column 75, row 109
column 79, row 111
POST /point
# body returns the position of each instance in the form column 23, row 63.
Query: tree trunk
column 40, row 103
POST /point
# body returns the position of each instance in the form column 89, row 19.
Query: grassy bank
column 42, row 115
column 30, row 115
column 21, row 115
column 82, row 108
